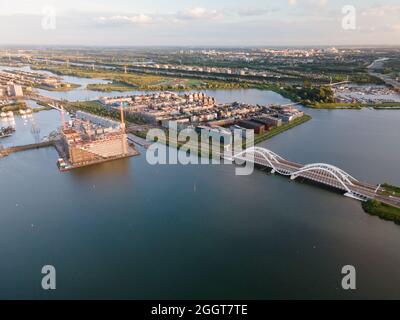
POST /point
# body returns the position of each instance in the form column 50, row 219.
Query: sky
column 200, row 23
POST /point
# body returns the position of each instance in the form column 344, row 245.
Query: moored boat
column 6, row 132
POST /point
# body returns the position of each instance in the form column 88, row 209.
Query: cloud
column 253, row 12
column 199, row 13
column 380, row 11
column 196, row 13
column 319, row 3
column 122, row 20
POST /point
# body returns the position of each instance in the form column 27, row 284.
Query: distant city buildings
column 292, row 56
column 352, row 93
column 14, row 82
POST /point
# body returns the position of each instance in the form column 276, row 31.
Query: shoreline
column 382, row 211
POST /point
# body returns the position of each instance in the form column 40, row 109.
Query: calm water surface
column 130, row 230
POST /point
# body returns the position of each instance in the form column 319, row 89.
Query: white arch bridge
column 322, row 173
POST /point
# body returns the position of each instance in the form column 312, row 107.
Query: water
column 126, row 229
column 31, row 128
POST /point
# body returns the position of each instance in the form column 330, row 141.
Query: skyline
column 198, row 23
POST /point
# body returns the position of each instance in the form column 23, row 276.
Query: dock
column 7, row 151
column 132, row 152
column 139, row 141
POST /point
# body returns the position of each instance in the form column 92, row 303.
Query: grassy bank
column 389, row 190
column 382, row 211
column 355, row 106
column 64, row 87
column 14, row 107
column 277, row 130
column 41, row 109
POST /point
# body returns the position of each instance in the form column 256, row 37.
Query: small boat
column 62, row 165
column 6, row 132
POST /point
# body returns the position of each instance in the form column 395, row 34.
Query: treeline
column 97, row 108
column 16, row 106
column 308, row 94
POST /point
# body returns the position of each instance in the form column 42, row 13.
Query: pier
column 7, row 151
column 138, row 140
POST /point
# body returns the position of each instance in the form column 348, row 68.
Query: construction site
column 89, row 139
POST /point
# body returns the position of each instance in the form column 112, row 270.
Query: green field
column 355, row 106
column 382, row 210
column 113, row 86
column 138, row 81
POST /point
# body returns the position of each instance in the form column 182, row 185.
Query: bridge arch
column 341, row 173
column 262, row 151
column 266, row 154
column 274, row 161
column 342, row 177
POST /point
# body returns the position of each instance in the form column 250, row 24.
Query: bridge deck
column 320, row 173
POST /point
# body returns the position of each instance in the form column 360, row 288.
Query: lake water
column 127, row 229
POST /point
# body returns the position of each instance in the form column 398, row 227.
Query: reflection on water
column 115, row 170
column 32, row 128
column 7, row 122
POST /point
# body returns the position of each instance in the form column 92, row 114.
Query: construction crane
column 63, row 124
column 124, row 141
